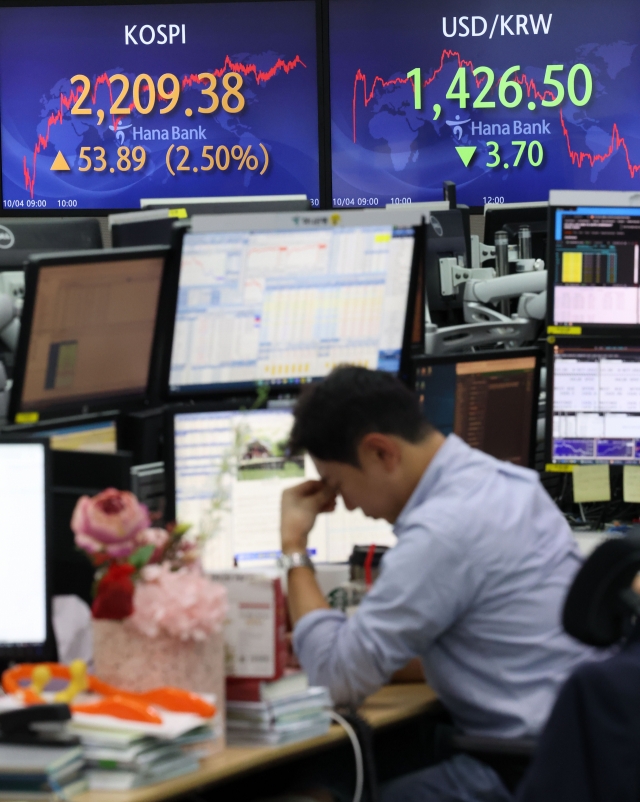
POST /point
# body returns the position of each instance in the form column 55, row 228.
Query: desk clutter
column 64, row 730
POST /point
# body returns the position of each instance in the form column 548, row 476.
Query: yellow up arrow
column 60, row 163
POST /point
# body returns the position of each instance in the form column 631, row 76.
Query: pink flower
column 183, row 604
column 109, row 523
column 153, row 537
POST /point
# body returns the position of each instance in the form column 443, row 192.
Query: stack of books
column 35, row 772
column 119, row 760
column 284, row 711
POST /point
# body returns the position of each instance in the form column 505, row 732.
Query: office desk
column 390, row 705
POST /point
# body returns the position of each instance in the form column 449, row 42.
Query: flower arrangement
column 149, row 576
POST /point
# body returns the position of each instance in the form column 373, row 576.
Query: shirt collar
column 429, row 479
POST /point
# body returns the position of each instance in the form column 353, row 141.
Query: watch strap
column 295, row 559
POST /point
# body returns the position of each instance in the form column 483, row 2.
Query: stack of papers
column 41, row 772
column 292, row 718
column 118, row 759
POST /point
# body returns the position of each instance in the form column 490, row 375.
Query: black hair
column 333, row 416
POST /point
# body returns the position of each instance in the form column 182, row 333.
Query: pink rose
column 154, row 537
column 109, row 523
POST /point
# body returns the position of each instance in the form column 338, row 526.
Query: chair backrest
column 599, row 605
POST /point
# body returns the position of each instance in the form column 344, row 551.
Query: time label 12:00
column 145, row 92
column 510, row 91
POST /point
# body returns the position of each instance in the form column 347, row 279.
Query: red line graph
column 577, row 157
column 67, row 101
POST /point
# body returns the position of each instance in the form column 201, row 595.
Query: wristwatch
column 295, row 559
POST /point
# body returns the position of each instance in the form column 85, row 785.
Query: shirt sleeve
column 426, row 582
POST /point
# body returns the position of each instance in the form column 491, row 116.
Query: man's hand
column 300, row 506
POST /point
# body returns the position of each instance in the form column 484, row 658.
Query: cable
column 357, row 752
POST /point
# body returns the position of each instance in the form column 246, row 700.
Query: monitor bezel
column 48, row 650
column 123, row 401
column 577, row 342
column 586, row 329
column 222, row 390
column 483, row 356
column 322, row 71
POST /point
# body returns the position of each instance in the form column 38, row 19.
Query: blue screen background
column 42, row 48
column 403, row 153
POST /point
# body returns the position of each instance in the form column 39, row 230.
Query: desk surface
column 390, row 705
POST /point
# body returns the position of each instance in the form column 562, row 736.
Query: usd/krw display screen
column 103, row 105
column 507, row 100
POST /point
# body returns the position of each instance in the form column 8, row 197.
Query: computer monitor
column 135, row 229
column 287, row 306
column 447, row 236
column 510, row 217
column 113, row 102
column 20, row 238
column 488, row 399
column 226, row 471
column 594, row 261
column 274, row 221
column 91, row 331
column 25, row 629
column 593, row 401
column 246, row 204
column 154, row 224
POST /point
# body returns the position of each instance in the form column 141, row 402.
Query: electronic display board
column 103, row 105
column 508, row 100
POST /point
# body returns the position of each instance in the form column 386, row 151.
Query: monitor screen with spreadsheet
column 23, row 567
column 489, row 399
column 595, row 267
column 288, row 306
column 593, row 402
column 88, row 331
column 228, row 471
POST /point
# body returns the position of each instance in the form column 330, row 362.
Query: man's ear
column 381, row 448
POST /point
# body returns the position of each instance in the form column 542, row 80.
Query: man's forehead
column 327, row 470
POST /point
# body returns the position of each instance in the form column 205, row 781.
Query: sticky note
column 27, row 417
column 181, row 214
column 591, row 483
column 573, row 330
column 559, row 467
column 631, row 483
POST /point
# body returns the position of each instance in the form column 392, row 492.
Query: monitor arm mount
column 484, row 324
column 11, row 301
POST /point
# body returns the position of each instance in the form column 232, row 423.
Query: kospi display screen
column 509, row 100
column 103, row 105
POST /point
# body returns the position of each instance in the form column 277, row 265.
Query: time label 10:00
column 511, row 84
column 167, row 88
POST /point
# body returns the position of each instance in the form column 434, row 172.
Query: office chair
column 590, row 747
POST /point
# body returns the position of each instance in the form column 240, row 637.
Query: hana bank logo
column 7, row 239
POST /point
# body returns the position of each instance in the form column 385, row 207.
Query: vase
column 127, row 659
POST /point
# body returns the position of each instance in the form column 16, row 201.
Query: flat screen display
column 490, row 403
column 23, row 599
column 597, row 266
column 506, row 100
column 288, row 306
column 92, row 332
column 104, row 105
column 596, row 404
column 230, row 471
